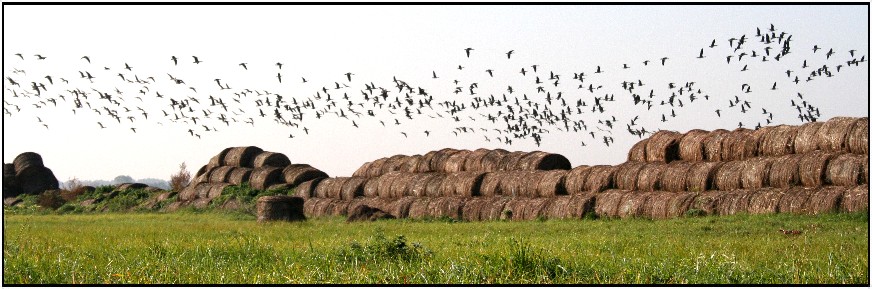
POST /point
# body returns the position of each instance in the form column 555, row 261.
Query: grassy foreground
column 184, row 247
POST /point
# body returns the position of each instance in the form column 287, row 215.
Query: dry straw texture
column 298, row 173
column 490, row 162
column 637, row 152
column 700, row 176
column 674, row 177
column 270, row 159
column 462, row 184
column 765, row 201
column 858, row 138
column 627, row 174
column 711, row 144
column 690, row 146
column 353, row 187
column 806, row 137
column 551, row 183
column 833, row 135
column 784, row 171
column 795, row 200
column 739, row 144
column 777, row 141
column 633, row 204
column 574, row 182
column 263, row 177
column 608, row 203
column 844, row 170
column 856, row 199
column 729, row 176
column 649, row 176
column 825, row 200
column 239, row 175
column 220, row 174
column 662, row 146
column 241, row 156
column 600, row 178
column 755, row 174
column 812, row 168
column 307, row 189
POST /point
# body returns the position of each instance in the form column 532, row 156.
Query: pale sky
column 378, row 43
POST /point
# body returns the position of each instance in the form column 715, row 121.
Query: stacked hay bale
column 27, row 175
column 450, row 160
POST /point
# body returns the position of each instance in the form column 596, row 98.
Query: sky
column 410, row 43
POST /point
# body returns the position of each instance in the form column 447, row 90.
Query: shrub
column 50, row 199
column 381, row 248
column 181, row 179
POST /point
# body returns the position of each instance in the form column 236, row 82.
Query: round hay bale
column 735, row 202
column 216, row 189
column 220, row 174
column 424, row 165
column 580, row 205
column 608, row 203
column 490, row 184
column 662, row 146
column 858, row 138
column 784, row 171
column 418, row 186
column 680, row 204
column 490, row 162
column 512, row 184
column 419, row 208
column 410, row 165
column 627, row 174
column 674, row 177
column 656, row 206
column 201, row 171
column 637, row 152
column 813, row 168
column 299, row 173
column 241, row 156
column 514, row 209
column 856, row 199
column 739, row 144
column 193, row 191
column 700, row 176
column 529, row 181
column 649, row 176
column 755, row 174
column 707, row 202
column 375, row 168
column 307, row 189
column 370, row 189
column 509, row 162
column 335, row 189
column 394, row 163
column 844, row 170
column 214, row 162
column 384, row 185
column 361, row 171
column 765, row 201
column 440, row 158
column 575, row 179
column 434, row 184
column 778, row 141
column 833, row 134
column 263, row 177
column 204, row 177
column 352, row 188
column 35, row 180
column 366, row 213
column 271, row 159
column 795, row 200
column 558, row 208
column 375, row 203
column 552, row 183
column 465, row 184
column 600, row 178
column 543, row 161
column 456, row 161
column 493, row 210
column 825, row 200
column 536, row 208
column 450, row 207
column 8, row 174
column 711, row 144
column 26, row 163
column 632, row 204
column 729, row 176
column 806, row 137
column 399, row 208
column 690, row 146
column 864, row 170
column 280, row 208
column 473, row 160
column 402, row 185
column 472, row 208
column 322, row 190
column 283, row 187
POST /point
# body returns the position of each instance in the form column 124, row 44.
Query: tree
column 181, row 179
column 122, row 179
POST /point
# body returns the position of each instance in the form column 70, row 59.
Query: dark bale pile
column 765, row 201
column 10, row 187
column 263, row 177
column 858, row 138
column 825, row 200
column 241, row 156
column 27, row 162
column 834, row 133
column 633, row 204
column 812, row 168
column 490, row 162
column 674, row 177
column 600, row 178
column 366, row 213
column 574, row 182
column 662, row 146
column 755, row 174
column 35, row 181
column 609, row 202
column 711, row 144
column 307, row 189
column 690, row 146
column 739, row 144
column 465, row 184
column 271, row 159
column 627, row 174
column 220, row 174
column 729, row 176
column 856, row 199
column 543, row 161
column 239, row 175
column 474, row 159
column 637, row 152
column 649, row 176
column 551, row 184
column 784, row 171
column 700, row 176
column 353, row 187
column 795, row 200
column 806, row 137
column 844, row 170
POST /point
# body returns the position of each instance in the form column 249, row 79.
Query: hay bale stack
column 543, row 161
column 420, row 208
column 375, row 167
column 410, row 165
column 784, row 171
column 575, row 178
column 418, row 186
column 511, row 183
column 795, row 200
column 27, row 162
column 472, row 208
column 825, row 200
column 401, row 186
column 627, row 174
column 513, row 209
column 353, row 187
column 490, row 162
column 739, row 144
column 690, row 146
column 608, row 203
column 307, row 189
column 201, row 171
column 680, row 203
column 864, row 170
column 729, row 176
column 674, row 177
column 424, row 165
column 633, row 204
column 806, row 137
column 755, row 173
column 662, row 146
column 310, row 207
column 361, row 171
column 465, row 184
column 241, row 156
column 535, row 208
column 493, row 210
column 813, row 168
column 367, row 213
column 833, row 134
column 298, row 173
column 400, row 207
column 844, row 170
column 194, row 191
column 735, row 202
column 509, row 162
column 36, row 180
column 284, row 187
column 600, row 178
column 637, row 152
column 765, row 201
column 384, row 185
column 558, row 208
column 263, row 177
column 322, row 189
column 456, row 161
column 649, row 176
column 270, row 159
column 580, row 205
column 490, row 183
column 215, row 161
column 700, row 176
column 856, row 199
column 656, row 206
column 220, row 174
column 777, row 141
column 711, row 144
column 239, row 175
column 858, row 138
column 473, row 160
column 708, row 202
column 434, row 186
column 440, row 158
column 551, row 184
column 10, row 187
column 451, row 207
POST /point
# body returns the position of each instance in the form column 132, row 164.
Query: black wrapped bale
column 36, row 180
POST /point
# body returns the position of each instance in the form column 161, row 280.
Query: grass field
column 180, row 248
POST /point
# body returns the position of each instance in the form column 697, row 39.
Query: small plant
column 181, row 179
column 381, row 248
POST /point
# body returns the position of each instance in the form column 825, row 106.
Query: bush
column 181, row 179
column 381, row 248
column 50, row 200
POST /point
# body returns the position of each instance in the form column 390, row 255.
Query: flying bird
column 467, row 51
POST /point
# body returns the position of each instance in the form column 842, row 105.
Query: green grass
column 185, row 247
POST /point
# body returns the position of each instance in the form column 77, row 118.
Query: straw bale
column 512, row 184
column 263, row 177
column 385, row 182
column 375, row 168
column 393, row 164
column 451, row 207
column 833, row 134
column 434, row 185
column 844, row 170
column 410, row 165
column 795, row 200
column 858, row 138
column 680, row 204
column 455, row 162
column 711, row 144
column 490, row 183
column 510, row 161
column 402, row 185
column 825, row 200
column 425, row 164
column 465, row 184
column 575, row 179
column 608, row 203
column 864, row 170
column 662, row 146
column 690, row 146
column 765, row 200
column 193, row 191
column 216, row 189
column 784, row 171
column 514, row 209
column 400, row 207
column 535, row 208
column 736, row 201
column 361, row 171
column 729, row 176
column 600, row 178
column 199, row 173
column 700, row 176
column 271, row 159
column 420, row 208
column 545, row 162
column 626, row 175
column 353, row 187
column 637, row 152
column 26, row 163
column 632, row 204
column 813, row 168
column 777, row 141
column 471, row 211
column 130, row 186
column 239, row 175
column 558, row 208
column 284, row 187
column 418, row 186
column 739, row 144
column 214, row 162
column 755, row 173
column 367, row 213
column 439, row 161
column 241, row 156
column 307, row 189
column 330, row 188
column 674, row 177
column 493, row 210
column 35, row 180
column 656, row 206
column 473, row 160
column 806, row 137
column 552, row 183
column 299, row 173
column 649, row 176
column 220, row 174
column 708, row 202
column 490, row 162
column 856, row 199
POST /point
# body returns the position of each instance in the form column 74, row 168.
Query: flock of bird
column 549, row 101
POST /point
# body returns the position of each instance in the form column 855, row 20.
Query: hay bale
column 858, row 138
column 263, row 177
column 729, row 176
column 674, row 177
column 825, row 200
column 608, row 203
column 284, row 187
column 784, row 171
column 493, row 210
column 765, row 201
column 466, row 184
column 214, row 162
column 402, row 185
column 600, row 178
column 375, row 168
column 649, row 176
column 738, row 144
column 632, row 204
column 440, row 159
column 551, row 184
column 410, row 165
column 812, row 168
column 473, row 160
column 26, row 161
column 543, row 161
column 844, row 170
column 856, row 199
column 220, row 174
column 535, row 208
column 201, row 171
column 193, row 191
column 393, row 164
column 400, row 207
column 700, row 176
column 434, row 185
column 241, row 156
column 509, row 162
column 424, row 165
column 472, row 208
column 864, row 170
column 216, row 189
column 777, row 141
column 711, row 144
column 637, row 152
column 755, row 174
column 580, row 205
column 361, row 171
column 690, row 146
column 35, row 180
column 514, row 209
column 280, row 208
column 574, row 182
column 419, row 208
column 558, row 208
column 367, row 213
column 307, row 189
column 456, row 161
column 384, row 185
column 707, row 202
column 834, row 133
column 129, row 186
column 512, row 184
column 450, row 207
column 795, row 200
column 490, row 162
column 271, row 159
column 490, row 184
column 239, row 175
column 322, row 190
column 656, row 206
column 353, row 187
column 627, row 174
column 680, row 203
column 662, row 146
column 735, row 202
column 806, row 137
column 298, row 173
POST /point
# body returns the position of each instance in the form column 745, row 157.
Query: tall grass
column 184, row 247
